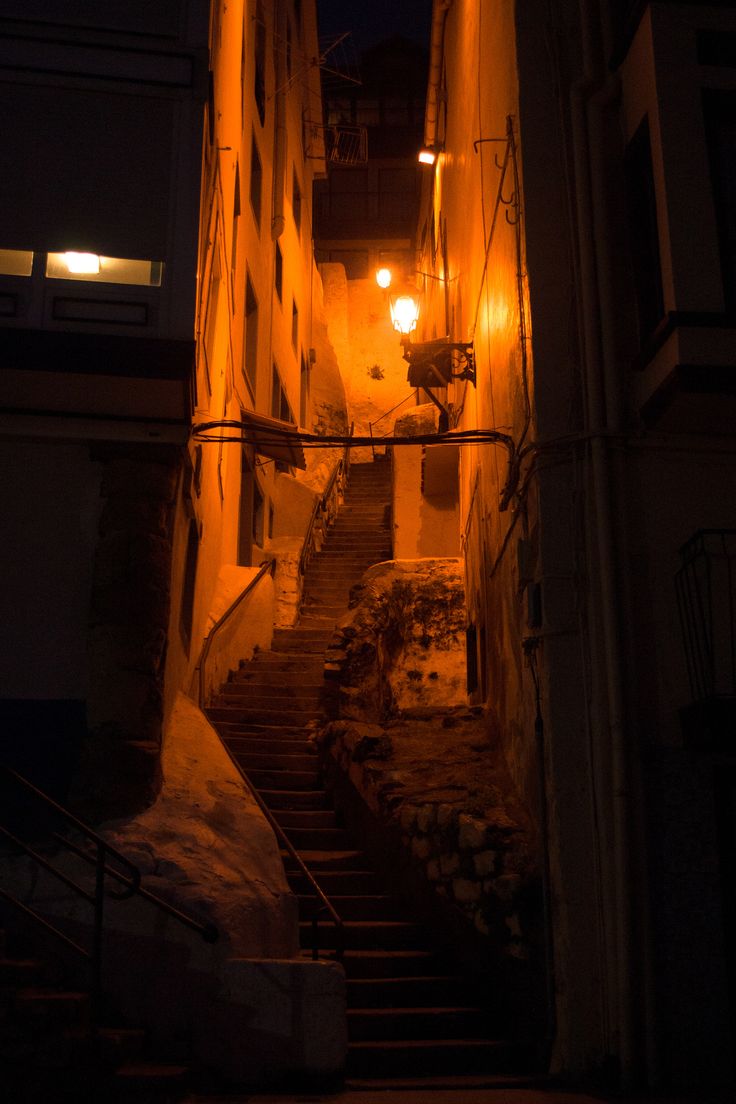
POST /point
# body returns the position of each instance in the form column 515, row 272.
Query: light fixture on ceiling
column 82, row 264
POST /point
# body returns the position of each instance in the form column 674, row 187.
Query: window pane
column 103, row 270
column 16, row 262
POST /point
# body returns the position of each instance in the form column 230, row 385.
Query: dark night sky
column 373, row 20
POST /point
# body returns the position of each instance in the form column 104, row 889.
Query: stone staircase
column 410, row 1016
column 50, row 1049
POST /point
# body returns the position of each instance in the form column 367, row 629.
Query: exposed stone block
column 466, row 891
column 449, row 864
column 472, row 832
column 484, row 863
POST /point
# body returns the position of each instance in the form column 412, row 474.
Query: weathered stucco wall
column 425, row 503
column 246, row 1004
column 368, row 350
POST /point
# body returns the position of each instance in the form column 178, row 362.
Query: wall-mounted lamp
column 383, row 277
column 405, row 313
column 427, row 157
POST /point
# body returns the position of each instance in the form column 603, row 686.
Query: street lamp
column 404, row 313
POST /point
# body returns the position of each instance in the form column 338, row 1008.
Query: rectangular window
column 296, row 203
column 256, row 181
column 16, row 262
column 720, row 129
column 235, row 229
column 259, row 86
column 643, row 231
column 294, row 325
column 93, row 268
column 250, row 344
column 280, row 407
column 278, row 275
column 304, row 391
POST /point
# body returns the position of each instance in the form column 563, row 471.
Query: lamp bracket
column 431, row 363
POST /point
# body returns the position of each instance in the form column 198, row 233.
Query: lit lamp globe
column 405, row 314
column 383, row 277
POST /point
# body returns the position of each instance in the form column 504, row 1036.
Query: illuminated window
column 91, row 267
column 16, row 262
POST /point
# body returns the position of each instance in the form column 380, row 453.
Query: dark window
column 294, row 325
column 720, row 128
column 643, row 232
column 256, row 181
column 236, row 228
column 278, row 275
column 257, row 521
column 259, row 86
column 296, row 203
column 471, row 658
column 250, row 344
column 186, row 612
column 304, row 391
column 280, row 407
column 245, row 515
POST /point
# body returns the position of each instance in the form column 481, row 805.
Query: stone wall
column 129, row 619
column 433, row 784
column 403, row 644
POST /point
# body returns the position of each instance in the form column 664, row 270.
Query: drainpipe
column 603, row 411
column 436, row 52
column 278, row 221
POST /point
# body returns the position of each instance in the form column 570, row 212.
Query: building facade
column 156, row 272
column 579, row 231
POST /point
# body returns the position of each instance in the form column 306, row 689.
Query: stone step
column 45, row 1008
column 284, row 780
column 320, row 862
column 318, row 839
column 307, row 818
column 418, row 1023
column 243, row 745
column 380, row 963
column 430, row 1057
column 313, row 645
column 280, row 698
column 233, row 731
column 338, row 882
column 270, row 762
column 365, row 907
column 377, row 935
column 295, row 799
column 398, row 992
column 239, row 715
column 293, row 681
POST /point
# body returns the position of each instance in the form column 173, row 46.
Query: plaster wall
column 423, row 525
column 369, row 352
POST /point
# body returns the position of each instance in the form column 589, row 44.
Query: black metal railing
column 321, row 508
column 107, row 863
column 325, row 908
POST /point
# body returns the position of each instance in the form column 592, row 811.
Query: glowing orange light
column 82, row 263
column 427, row 157
column 383, row 277
column 405, row 313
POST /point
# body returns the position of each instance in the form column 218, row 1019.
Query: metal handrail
column 266, row 567
column 342, row 467
column 129, row 877
column 283, row 839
